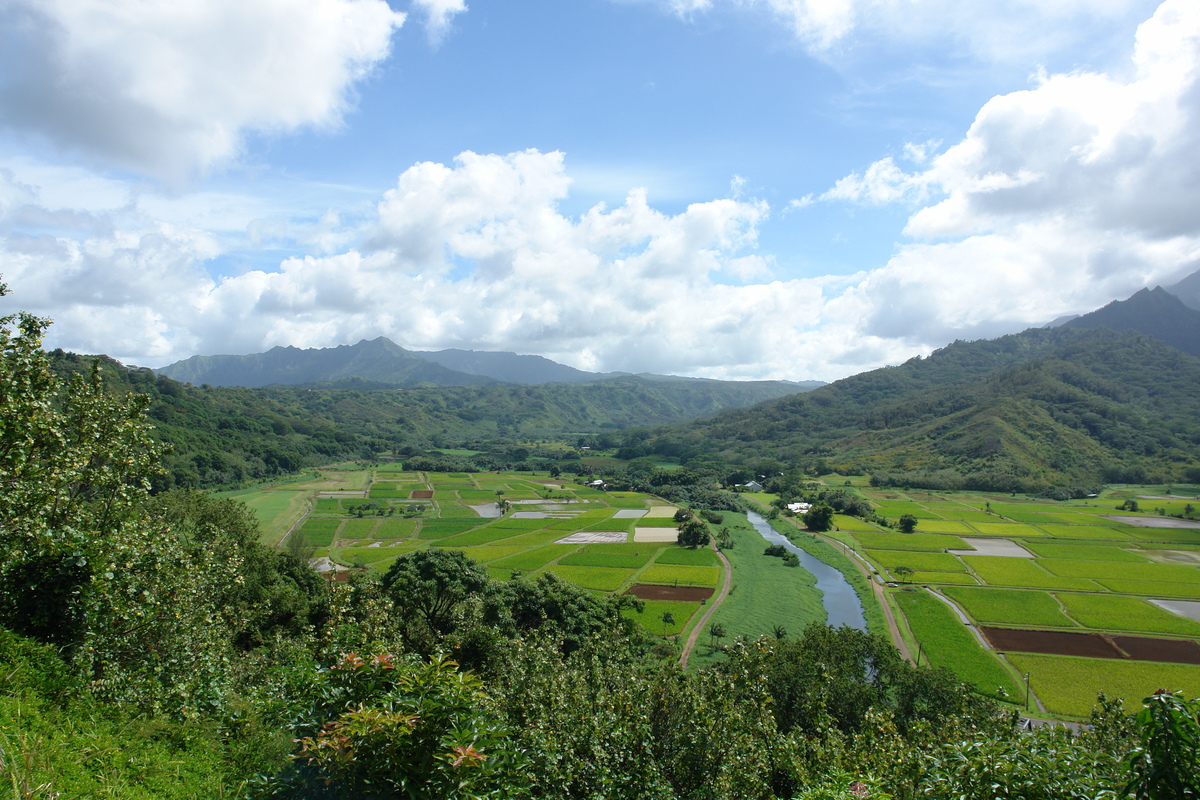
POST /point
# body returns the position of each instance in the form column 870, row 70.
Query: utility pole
column 1026, row 692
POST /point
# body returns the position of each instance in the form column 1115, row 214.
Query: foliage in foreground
column 150, row 648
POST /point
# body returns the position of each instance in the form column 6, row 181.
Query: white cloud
column 166, row 88
column 1057, row 200
column 439, row 14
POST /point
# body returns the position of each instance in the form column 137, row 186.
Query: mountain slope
column 1046, row 407
column 378, row 360
column 1154, row 312
column 508, row 367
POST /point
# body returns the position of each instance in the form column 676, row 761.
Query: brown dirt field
column 1144, row 648
column 691, row 594
column 421, row 494
column 1093, row 645
column 1057, row 643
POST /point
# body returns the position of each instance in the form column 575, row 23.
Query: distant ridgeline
column 223, row 436
column 1046, row 410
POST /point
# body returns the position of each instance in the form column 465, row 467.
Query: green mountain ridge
column 1043, row 408
column 225, row 435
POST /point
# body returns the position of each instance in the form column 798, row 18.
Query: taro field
column 604, row 542
column 1082, row 596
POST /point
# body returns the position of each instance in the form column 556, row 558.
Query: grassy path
column 712, row 607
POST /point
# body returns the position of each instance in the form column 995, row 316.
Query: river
column 842, row 606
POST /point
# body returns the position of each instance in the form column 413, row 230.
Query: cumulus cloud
column 470, row 254
column 1058, row 199
column 166, row 88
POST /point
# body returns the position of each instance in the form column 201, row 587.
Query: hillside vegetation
column 1026, row 412
column 223, row 436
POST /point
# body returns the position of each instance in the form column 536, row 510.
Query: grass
column 917, row 560
column 650, row 617
column 1023, row 572
column 681, row 575
column 1122, row 613
column 535, row 558
column 932, row 542
column 699, row 557
column 765, row 593
column 1007, row 529
column 1010, row 606
column 1083, row 552
column 1152, row 588
column 605, row 579
column 946, row 643
column 937, row 578
column 1083, row 532
column 1169, row 573
column 1068, row 686
column 944, row 526
column 620, row 560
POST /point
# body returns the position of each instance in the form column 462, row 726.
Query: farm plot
column 1070, row 686
column 946, row 643
column 604, row 579
column 1010, row 606
column 534, row 558
column 1119, row 613
column 923, row 578
column 320, row 532
column 1112, row 570
column 1084, row 552
column 619, row 560
column 1023, row 572
column 1084, row 532
column 944, row 526
column 920, row 561
column 931, row 542
column 681, row 575
column 698, row 557
column 1008, row 529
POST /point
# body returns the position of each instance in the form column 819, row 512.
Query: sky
column 735, row 189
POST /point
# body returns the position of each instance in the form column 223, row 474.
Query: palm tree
column 716, row 631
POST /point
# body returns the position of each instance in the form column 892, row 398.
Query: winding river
column 842, row 606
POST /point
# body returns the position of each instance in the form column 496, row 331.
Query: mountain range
column 381, row 363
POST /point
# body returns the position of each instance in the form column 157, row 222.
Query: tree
column 903, row 573
column 426, row 587
column 667, row 619
column 819, row 518
column 1166, row 763
column 716, row 631
column 908, row 523
column 693, row 533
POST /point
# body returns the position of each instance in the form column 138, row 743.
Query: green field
column 1069, row 686
column 916, row 560
column 765, row 593
column 680, row 575
column 1024, row 572
column 946, row 643
column 1121, row 613
column 1014, row 607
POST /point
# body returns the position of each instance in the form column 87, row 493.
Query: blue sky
column 727, row 188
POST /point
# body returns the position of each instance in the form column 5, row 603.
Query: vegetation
column 151, row 646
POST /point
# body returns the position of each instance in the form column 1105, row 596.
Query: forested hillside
column 1027, row 412
column 221, row 436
